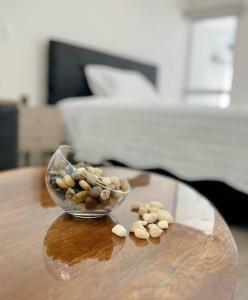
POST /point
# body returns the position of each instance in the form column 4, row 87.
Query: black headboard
column 66, row 77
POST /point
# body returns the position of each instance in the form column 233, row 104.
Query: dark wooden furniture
column 8, row 135
column 46, row 254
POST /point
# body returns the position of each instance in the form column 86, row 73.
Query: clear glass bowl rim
column 70, row 149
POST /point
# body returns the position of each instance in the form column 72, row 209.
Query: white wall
column 148, row 30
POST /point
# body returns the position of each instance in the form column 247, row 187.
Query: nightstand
column 39, row 130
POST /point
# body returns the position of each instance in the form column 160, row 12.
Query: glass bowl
column 82, row 190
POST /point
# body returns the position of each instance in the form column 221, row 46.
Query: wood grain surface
column 47, row 254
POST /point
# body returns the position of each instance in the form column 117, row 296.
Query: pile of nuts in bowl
column 86, row 186
column 154, row 217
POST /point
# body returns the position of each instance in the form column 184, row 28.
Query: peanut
column 154, row 230
column 150, row 218
column 81, row 170
column 115, row 181
column 119, row 230
column 124, row 185
column 81, row 196
column 61, row 184
column 141, row 233
column 84, row 185
column 163, row 224
column 138, row 224
column 106, row 181
column 165, row 215
column 153, row 209
column 91, row 170
column 69, row 181
column 98, row 171
column 143, row 210
column 105, row 194
column 156, row 204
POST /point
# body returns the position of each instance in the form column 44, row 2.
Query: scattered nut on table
column 150, row 217
column 143, row 210
column 154, row 230
column 139, row 224
column 156, row 204
column 119, row 230
column 163, row 224
column 153, row 209
column 154, row 216
column 141, row 233
column 165, row 215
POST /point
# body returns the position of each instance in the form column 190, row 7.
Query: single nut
column 136, row 206
column 165, row 215
column 84, row 185
column 163, row 224
column 156, row 204
column 91, row 176
column 124, row 185
column 153, row 209
column 69, row 181
column 70, row 194
column 91, row 170
column 143, row 210
column 112, row 186
column 61, row 184
column 105, row 194
column 81, row 170
column 115, row 181
column 90, row 202
column 81, row 196
column 138, row 224
column 141, row 233
column 150, row 218
column 62, row 173
column 76, row 176
column 119, row 230
column 95, row 191
column 98, row 171
column 106, row 181
column 154, row 230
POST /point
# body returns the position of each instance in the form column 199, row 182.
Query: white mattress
column 193, row 143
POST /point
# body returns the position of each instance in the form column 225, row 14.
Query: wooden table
column 46, row 254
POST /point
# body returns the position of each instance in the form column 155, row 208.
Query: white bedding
column 193, row 143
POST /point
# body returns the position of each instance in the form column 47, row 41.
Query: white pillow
column 113, row 82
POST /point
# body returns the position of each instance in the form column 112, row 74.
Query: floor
column 241, row 238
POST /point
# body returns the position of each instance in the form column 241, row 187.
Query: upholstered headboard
column 66, row 77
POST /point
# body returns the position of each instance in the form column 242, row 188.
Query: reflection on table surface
column 69, row 241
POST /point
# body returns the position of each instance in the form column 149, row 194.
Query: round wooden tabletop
column 46, row 254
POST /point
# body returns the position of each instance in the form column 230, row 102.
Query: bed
column 191, row 143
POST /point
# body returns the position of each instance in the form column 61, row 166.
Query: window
column 210, row 65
